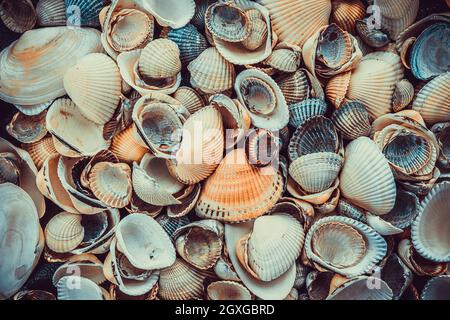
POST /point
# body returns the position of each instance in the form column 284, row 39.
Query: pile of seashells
column 269, row 149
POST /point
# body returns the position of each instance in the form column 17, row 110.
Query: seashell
column 85, row 85
column 432, row 101
column 227, row 290
column 88, row 266
column 87, row 289
column 373, row 37
column 263, row 99
column 346, row 13
column 187, row 204
column 302, row 111
column 441, row 131
column 295, row 86
column 337, row 87
column 198, row 20
column 317, row 134
column 352, row 120
column 258, row 32
column 86, row 11
column 125, row 147
column 41, row 150
column 285, row 58
column 211, row 73
column 436, row 288
column 405, row 210
column 381, row 226
column 111, row 183
column 26, row 82
column 181, row 282
column 190, row 42
column 34, row 295
column 428, row 50
column 344, row 245
column 227, row 22
column 64, row 232
column 201, row 149
column 262, row 147
column 18, row 16
column 27, row 129
column 364, row 168
column 269, row 290
column 405, row 52
column 64, row 119
column 397, row 16
column 396, row 275
column 253, row 249
column 427, row 234
column 403, row 95
column 172, row 13
column 237, row 191
column 144, row 242
column 189, row 98
column 22, row 238
column 170, row 225
column 51, row 13
column 300, row 276
column 348, row 209
column 239, row 53
column 160, row 59
column 361, row 288
column 9, row 168
column 317, row 199
column 316, row 172
column 295, row 21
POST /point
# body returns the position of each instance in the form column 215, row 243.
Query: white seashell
column 383, row 227
column 160, row 59
column 64, row 232
column 172, row 13
column 79, row 288
column 360, row 289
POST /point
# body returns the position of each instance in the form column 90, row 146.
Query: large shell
column 352, row 120
column 302, row 111
column 64, row 232
column 294, row 21
column 362, row 288
column 68, row 126
column 27, row 129
column 437, row 288
column 344, row 245
column 33, row 67
column 267, row 255
column 211, row 73
column 18, row 15
column 144, row 242
column 190, row 42
column 20, row 238
column 396, row 16
column 237, row 191
column 41, row 150
column 51, row 13
column 160, row 59
column 172, row 13
column 428, row 234
column 366, row 178
column 94, row 84
column 263, row 99
column 345, row 13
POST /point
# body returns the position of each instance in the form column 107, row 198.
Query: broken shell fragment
column 27, row 129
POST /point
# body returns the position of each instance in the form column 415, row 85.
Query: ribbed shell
column 403, row 95
column 18, row 15
column 337, row 88
column 358, row 289
column 64, row 232
column 27, row 129
column 51, row 13
column 41, row 150
column 295, row 86
column 345, row 13
column 396, row 16
column 258, row 34
column 352, row 120
column 88, row 11
column 189, row 98
column 88, row 289
column 125, row 147
column 160, row 59
column 302, row 111
column 285, row 59
column 190, row 42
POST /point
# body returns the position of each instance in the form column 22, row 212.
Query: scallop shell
column 27, row 129
column 344, row 245
column 86, row 12
column 125, row 147
column 79, row 288
column 18, row 15
column 397, row 16
column 41, row 150
column 428, row 235
column 267, row 255
column 211, row 73
column 20, row 238
column 436, row 288
column 362, row 288
column 227, row 290
column 201, row 149
column 172, row 13
column 295, row 86
column 294, row 21
column 181, row 282
column 51, row 13
column 302, row 111
column 189, row 98
column 403, row 95
column 85, row 83
column 64, row 232
column 366, row 178
column 67, row 125
column 263, row 99
column 160, row 59
column 190, row 42
column 432, row 101
column 346, row 13
column 316, row 172
column 317, row 134
column 144, row 242
column 237, row 191
column 258, row 34
column 352, row 120
column 285, row 58
column 27, row 63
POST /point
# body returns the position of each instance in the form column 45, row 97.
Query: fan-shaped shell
column 85, row 289
column 41, row 150
column 227, row 290
column 302, row 111
column 352, row 120
column 285, row 58
column 237, row 191
column 346, row 13
column 373, row 37
column 403, row 95
column 18, row 15
column 189, row 98
column 366, row 178
column 404, row 211
column 126, row 148
column 86, row 12
column 64, row 232
column 295, row 86
column 27, row 129
column 51, row 13
column 396, row 16
column 172, row 13
column 190, row 42
column 258, row 31
column 160, row 59
column 361, row 288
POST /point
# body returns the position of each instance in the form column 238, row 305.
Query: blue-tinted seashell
column 84, row 12
column 190, row 42
column 299, row 112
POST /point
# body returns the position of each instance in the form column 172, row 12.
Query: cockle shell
column 86, row 289
column 88, row 266
column 346, row 13
column 237, row 191
column 352, row 120
column 403, row 95
column 396, row 16
column 18, row 15
column 366, row 178
column 144, row 242
column 94, row 85
column 189, row 98
column 64, row 232
column 437, row 288
column 344, row 245
column 187, row 204
column 27, row 129
column 404, row 211
column 190, row 42
column 160, row 59
column 125, row 147
column 285, row 58
column 172, row 13
column 302, row 111
column 258, row 31
column 41, row 150
column 51, row 13
column 20, row 238
column 27, row 63
column 262, row 147
column 371, row 37
column 86, row 11
column 360, row 288
column 298, row 86
column 227, row 290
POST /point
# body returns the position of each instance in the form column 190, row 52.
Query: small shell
column 371, row 36
column 198, row 19
column 258, row 34
column 64, row 232
column 362, row 288
column 189, row 98
column 317, row 134
column 125, row 147
column 437, row 288
column 346, row 13
column 404, row 211
column 190, row 42
column 51, row 13
column 41, row 150
column 172, row 13
column 302, row 111
column 94, row 84
column 170, row 225
column 352, row 120
column 295, row 86
column 285, row 58
column 187, row 204
column 88, row 265
column 160, row 59
column 348, row 209
column 9, row 168
column 227, row 290
column 85, row 289
column 18, row 15
column 27, row 129
column 337, row 87
column 366, row 178
column 403, row 95
column 262, row 147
